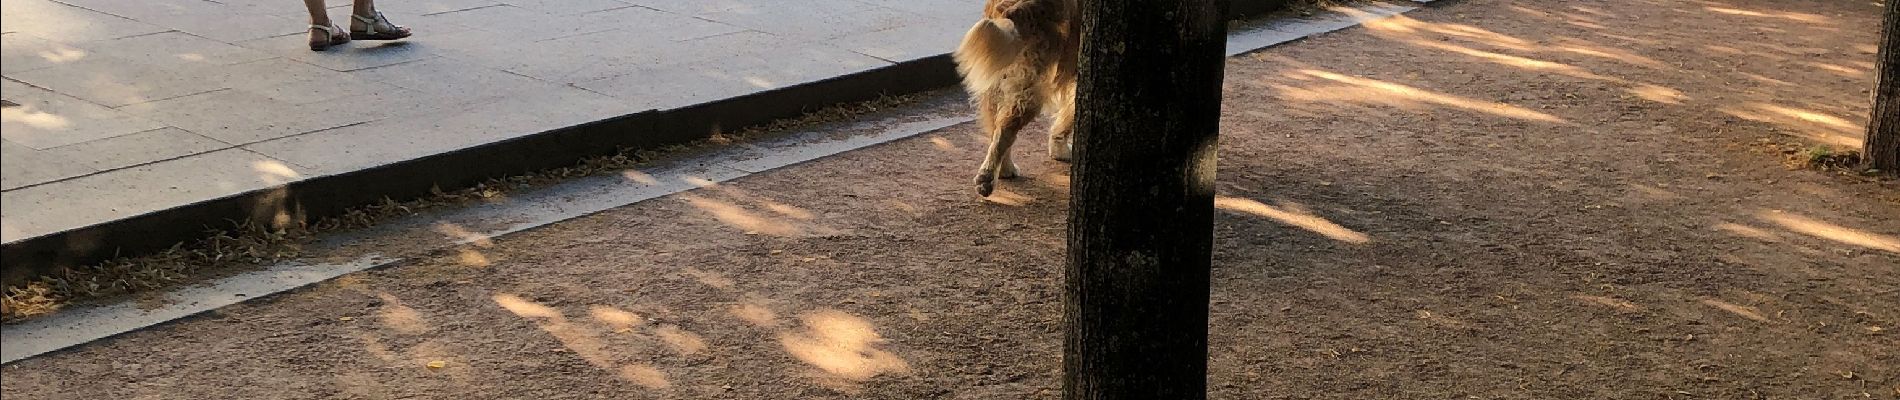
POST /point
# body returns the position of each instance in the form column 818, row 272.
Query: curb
column 330, row 195
column 584, row 196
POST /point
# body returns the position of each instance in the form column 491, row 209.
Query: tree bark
column 1142, row 199
column 1882, row 148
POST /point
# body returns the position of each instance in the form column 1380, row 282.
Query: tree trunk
column 1882, row 148
column 1142, row 199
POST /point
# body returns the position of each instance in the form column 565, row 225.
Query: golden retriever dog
column 1018, row 62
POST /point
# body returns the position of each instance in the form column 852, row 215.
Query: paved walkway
column 120, row 108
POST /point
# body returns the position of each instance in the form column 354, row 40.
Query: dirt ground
column 1532, row 199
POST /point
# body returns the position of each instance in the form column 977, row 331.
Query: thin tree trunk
column 1882, row 148
column 1142, row 199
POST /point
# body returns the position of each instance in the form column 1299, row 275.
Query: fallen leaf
column 346, row 319
column 438, row 364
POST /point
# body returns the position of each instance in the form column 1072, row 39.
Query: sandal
column 332, row 35
column 377, row 28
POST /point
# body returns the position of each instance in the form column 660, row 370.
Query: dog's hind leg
column 1062, row 131
column 1006, row 117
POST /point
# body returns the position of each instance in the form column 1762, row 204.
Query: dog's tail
column 988, row 50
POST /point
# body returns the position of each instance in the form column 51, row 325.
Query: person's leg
column 318, row 16
column 367, row 24
column 366, row 8
column 322, row 38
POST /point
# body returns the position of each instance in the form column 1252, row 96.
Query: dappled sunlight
column 582, row 341
column 463, row 235
column 273, row 205
column 1613, row 303
column 275, row 172
column 699, row 181
column 1010, row 198
column 1832, row 232
column 1781, row 15
column 62, row 55
column 945, row 145
column 1812, row 125
column 1410, row 31
column 1408, row 25
column 400, row 317
column 754, row 214
column 1738, row 310
column 639, row 177
column 472, row 258
column 1580, row 47
column 1291, row 214
column 30, row 116
column 681, row 341
column 754, row 313
column 738, row 217
column 645, row 376
column 1372, row 91
column 1658, row 94
column 618, row 319
column 842, row 345
column 1524, row 63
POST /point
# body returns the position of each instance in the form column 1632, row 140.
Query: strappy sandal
column 377, row 28
column 332, row 35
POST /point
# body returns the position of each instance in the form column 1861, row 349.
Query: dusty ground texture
column 1488, row 199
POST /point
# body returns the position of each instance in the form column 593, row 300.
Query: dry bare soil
column 1534, row 199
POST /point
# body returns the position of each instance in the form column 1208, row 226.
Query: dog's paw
column 1008, row 171
column 1061, row 152
column 985, row 183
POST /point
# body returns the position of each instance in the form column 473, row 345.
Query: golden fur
column 1018, row 62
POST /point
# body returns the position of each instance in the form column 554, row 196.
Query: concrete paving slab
column 264, row 118
column 568, row 7
column 651, row 24
column 45, row 166
column 103, row 197
column 330, row 86
column 455, row 80
column 735, row 65
column 521, row 24
column 20, row 52
column 813, row 19
column 269, row 72
column 44, row 119
column 409, row 137
column 425, row 7
column 68, row 24
column 137, row 149
column 174, row 50
column 902, row 43
column 115, row 82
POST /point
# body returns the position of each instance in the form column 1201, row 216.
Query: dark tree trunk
column 1882, row 149
column 1141, row 213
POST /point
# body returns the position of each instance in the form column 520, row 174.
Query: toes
column 984, row 189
